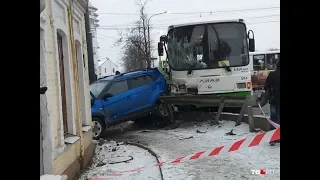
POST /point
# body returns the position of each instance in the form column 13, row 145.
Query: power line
column 167, row 24
column 165, row 27
column 199, row 12
column 157, row 27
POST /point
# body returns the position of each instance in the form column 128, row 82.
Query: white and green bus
column 209, row 57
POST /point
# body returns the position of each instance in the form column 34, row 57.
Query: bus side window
column 258, row 62
column 272, row 60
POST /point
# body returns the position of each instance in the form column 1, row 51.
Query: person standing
column 272, row 95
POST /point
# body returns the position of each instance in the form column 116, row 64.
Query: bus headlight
column 241, row 85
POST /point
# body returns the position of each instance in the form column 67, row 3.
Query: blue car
column 125, row 97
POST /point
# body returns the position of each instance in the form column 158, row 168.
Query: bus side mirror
column 252, row 45
column 164, row 38
column 160, row 48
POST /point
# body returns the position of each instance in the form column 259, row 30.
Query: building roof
column 100, row 64
column 92, row 7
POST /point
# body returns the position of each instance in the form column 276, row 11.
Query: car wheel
column 99, row 128
column 163, row 112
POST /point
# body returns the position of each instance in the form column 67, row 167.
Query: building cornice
column 83, row 3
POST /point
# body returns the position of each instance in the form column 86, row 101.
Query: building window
column 63, row 84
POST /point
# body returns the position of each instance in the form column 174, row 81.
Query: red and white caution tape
column 240, row 144
column 271, row 122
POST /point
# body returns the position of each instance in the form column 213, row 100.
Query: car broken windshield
column 97, row 87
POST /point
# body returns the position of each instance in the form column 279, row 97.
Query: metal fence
column 245, row 103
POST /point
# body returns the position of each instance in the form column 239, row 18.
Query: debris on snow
column 126, row 157
column 120, row 160
column 211, row 123
column 183, row 138
column 101, row 141
column 202, row 132
column 258, row 130
column 231, row 133
column 101, row 163
column 145, row 131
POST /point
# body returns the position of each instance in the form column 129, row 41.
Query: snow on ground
column 112, row 152
column 234, row 165
column 169, row 145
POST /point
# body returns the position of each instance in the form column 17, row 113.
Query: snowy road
column 232, row 166
column 113, row 157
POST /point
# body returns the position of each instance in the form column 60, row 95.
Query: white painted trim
column 46, row 123
column 59, row 25
column 54, row 24
column 77, row 37
column 71, row 139
column 43, row 20
column 64, row 5
column 82, row 84
column 53, row 177
column 86, row 128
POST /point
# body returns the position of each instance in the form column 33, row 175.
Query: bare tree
column 133, row 54
column 136, row 42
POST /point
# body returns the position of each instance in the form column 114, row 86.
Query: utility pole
column 149, row 43
column 92, row 73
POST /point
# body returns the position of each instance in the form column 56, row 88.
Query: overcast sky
column 262, row 16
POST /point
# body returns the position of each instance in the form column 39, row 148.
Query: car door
column 153, row 91
column 141, row 92
column 116, row 107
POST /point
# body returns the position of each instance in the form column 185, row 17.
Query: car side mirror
column 107, row 95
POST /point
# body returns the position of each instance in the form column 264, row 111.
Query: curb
column 150, row 151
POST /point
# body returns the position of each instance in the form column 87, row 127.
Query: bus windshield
column 208, row 46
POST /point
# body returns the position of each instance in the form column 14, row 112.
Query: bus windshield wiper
column 225, row 66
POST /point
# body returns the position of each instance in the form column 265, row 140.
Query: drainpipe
column 42, row 5
column 76, row 83
column 92, row 73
